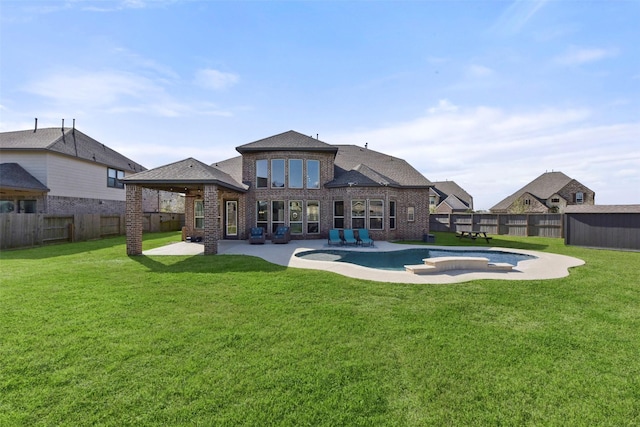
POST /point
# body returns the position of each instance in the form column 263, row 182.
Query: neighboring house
column 294, row 180
column 551, row 192
column 63, row 171
column 448, row 197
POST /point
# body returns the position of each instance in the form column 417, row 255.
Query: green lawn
column 89, row 336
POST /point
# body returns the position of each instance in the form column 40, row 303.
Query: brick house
column 447, row 197
column 62, row 171
column 551, row 192
column 294, row 180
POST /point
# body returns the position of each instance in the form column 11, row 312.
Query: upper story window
column 579, row 197
column 432, row 200
column 555, row 200
column 113, row 178
column 313, row 173
column 262, row 173
column 277, row 173
column 295, row 173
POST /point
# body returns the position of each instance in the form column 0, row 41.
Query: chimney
column 36, row 127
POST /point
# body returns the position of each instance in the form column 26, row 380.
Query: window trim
column 309, row 177
column 294, row 220
column 310, row 222
column 411, row 213
column 392, row 214
column 266, row 178
column 338, row 217
column 284, row 174
column 289, row 175
column 196, row 216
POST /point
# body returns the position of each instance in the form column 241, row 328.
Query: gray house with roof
column 551, row 192
column 61, row 171
column 293, row 180
column 448, row 197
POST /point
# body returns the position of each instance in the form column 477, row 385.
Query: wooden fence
column 541, row 225
column 25, row 230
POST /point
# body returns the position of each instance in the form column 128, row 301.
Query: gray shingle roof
column 448, row 188
column 362, row 166
column 287, row 141
column 232, row 166
column 186, row 172
column 14, row 177
column 69, row 142
column 455, row 203
column 602, row 209
column 543, row 187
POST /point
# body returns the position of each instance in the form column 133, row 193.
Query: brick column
column 133, row 219
column 189, row 218
column 211, row 226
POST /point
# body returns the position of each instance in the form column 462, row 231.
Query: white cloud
column 492, row 153
column 476, row 70
column 578, row 56
column 444, row 106
column 216, row 80
column 517, row 15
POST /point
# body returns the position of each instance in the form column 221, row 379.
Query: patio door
column 231, row 219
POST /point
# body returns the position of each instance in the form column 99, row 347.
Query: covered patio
column 197, row 181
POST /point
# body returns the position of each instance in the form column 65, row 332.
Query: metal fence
column 541, row 225
column 26, row 230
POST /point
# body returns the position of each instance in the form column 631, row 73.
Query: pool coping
column 545, row 266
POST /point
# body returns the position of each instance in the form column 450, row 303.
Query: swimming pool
column 396, row 260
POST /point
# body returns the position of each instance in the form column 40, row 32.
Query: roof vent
column 36, row 126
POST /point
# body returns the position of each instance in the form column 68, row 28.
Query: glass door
column 231, row 219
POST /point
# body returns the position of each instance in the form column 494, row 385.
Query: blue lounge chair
column 363, row 237
column 349, row 238
column 282, row 235
column 334, row 237
column 256, row 235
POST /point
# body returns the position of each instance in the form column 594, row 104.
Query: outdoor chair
column 334, row 237
column 349, row 238
column 363, row 237
column 282, row 235
column 256, row 235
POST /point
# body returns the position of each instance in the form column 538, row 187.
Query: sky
column 489, row 94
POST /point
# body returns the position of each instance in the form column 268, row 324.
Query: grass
column 89, row 336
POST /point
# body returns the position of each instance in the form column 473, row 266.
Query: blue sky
column 490, row 94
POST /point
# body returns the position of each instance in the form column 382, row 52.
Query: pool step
column 439, row 264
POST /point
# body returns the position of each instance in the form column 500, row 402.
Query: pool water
column 396, row 260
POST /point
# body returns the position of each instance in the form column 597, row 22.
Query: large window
column 313, row 216
column 198, row 213
column 358, row 213
column 113, row 178
column 262, row 214
column 262, row 173
column 338, row 214
column 295, row 216
column 277, row 214
column 277, row 173
column 392, row 215
column 295, row 173
column 376, row 214
column 313, row 174
column 579, row 197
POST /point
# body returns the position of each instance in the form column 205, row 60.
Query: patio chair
column 282, row 235
column 363, row 237
column 256, row 235
column 349, row 238
column 334, row 237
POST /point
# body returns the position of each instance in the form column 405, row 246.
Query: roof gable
column 69, row 142
column 448, row 188
column 287, row 141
